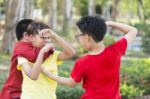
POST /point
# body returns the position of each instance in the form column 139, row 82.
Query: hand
column 48, row 33
column 47, row 47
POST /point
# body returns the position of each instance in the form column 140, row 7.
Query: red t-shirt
column 100, row 73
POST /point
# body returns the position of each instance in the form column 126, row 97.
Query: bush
column 129, row 91
column 136, row 72
column 64, row 92
column 145, row 31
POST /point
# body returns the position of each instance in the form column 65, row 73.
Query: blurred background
column 62, row 16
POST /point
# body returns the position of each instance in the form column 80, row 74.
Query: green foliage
column 1, row 2
column 64, row 92
column 136, row 72
column 145, row 30
column 108, row 40
column 5, row 57
column 65, row 68
column 42, row 4
column 129, row 91
column 3, row 76
column 82, row 4
column 146, row 8
column 69, row 93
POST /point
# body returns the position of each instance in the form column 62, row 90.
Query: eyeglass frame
column 78, row 35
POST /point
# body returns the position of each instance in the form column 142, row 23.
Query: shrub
column 136, row 72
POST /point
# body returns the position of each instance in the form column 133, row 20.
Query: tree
column 114, row 9
column 91, row 7
column 53, row 14
column 67, row 16
column 15, row 11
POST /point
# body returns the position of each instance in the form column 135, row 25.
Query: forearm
column 62, row 80
column 68, row 50
column 122, row 27
column 35, row 71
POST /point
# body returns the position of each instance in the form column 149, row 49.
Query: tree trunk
column 67, row 16
column 91, row 7
column 28, row 8
column 53, row 14
column 114, row 9
column 107, row 13
column 15, row 11
column 8, row 37
column 141, row 14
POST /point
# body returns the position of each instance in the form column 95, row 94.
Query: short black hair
column 21, row 28
column 93, row 26
column 36, row 26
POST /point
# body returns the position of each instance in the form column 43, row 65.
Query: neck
column 24, row 40
column 97, row 48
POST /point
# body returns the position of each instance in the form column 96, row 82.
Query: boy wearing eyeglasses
column 99, row 70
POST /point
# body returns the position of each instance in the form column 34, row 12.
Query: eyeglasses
column 77, row 36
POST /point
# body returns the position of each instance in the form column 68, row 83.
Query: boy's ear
column 27, row 36
column 87, row 37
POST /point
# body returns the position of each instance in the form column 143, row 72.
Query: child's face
column 83, row 40
column 38, row 41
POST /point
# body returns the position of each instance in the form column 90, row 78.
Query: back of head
column 36, row 26
column 21, row 28
column 93, row 26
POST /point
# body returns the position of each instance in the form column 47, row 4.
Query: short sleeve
column 21, row 60
column 77, row 72
column 56, row 53
column 120, row 46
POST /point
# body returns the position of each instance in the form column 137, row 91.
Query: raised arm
column 68, row 51
column 130, row 31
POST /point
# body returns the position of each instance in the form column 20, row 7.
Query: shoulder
column 82, row 59
column 20, row 59
column 119, row 47
column 121, row 41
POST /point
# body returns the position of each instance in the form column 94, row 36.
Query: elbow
column 71, row 54
column 135, row 30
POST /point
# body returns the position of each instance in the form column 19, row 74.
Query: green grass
column 3, row 76
column 4, row 59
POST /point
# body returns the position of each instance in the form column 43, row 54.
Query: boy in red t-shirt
column 99, row 70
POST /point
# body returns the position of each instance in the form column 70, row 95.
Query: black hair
column 36, row 26
column 93, row 26
column 21, row 28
